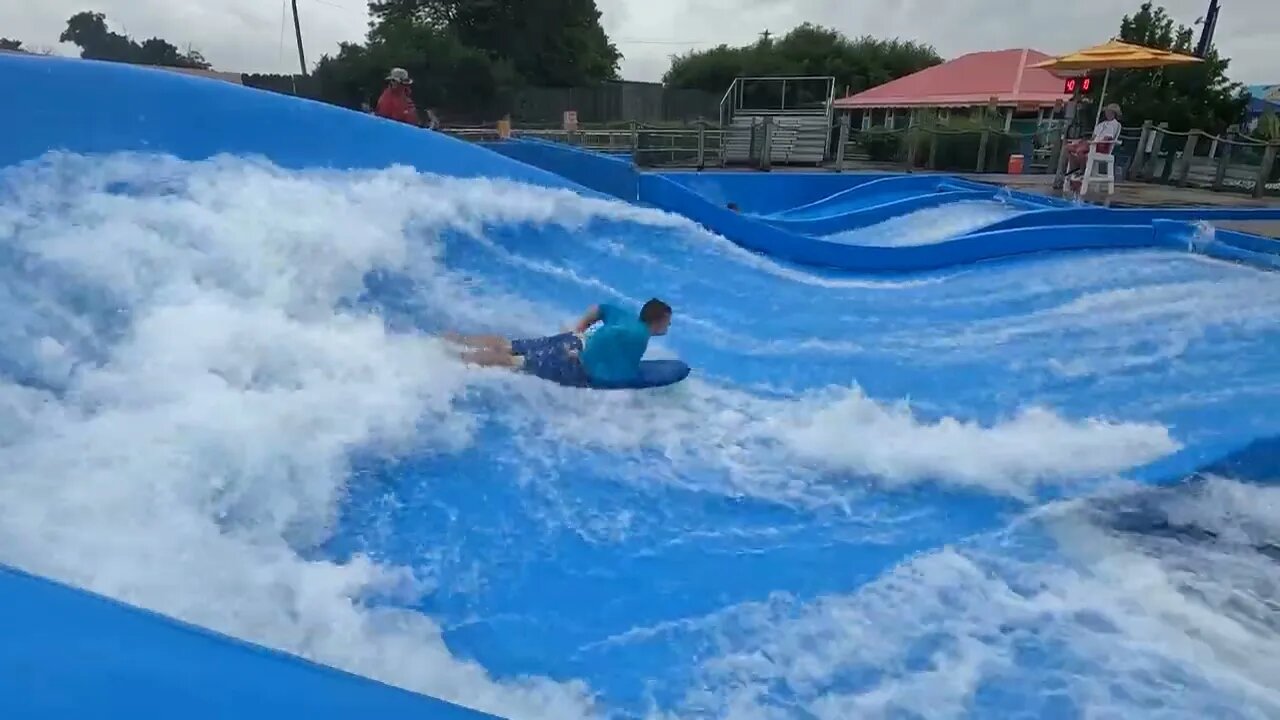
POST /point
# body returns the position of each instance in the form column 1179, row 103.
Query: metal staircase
column 777, row 120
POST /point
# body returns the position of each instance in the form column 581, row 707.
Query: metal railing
column 938, row 146
column 648, row 145
column 1152, row 153
column 735, row 99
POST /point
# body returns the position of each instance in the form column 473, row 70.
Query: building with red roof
column 971, row 80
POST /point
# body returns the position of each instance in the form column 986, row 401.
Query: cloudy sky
column 251, row 35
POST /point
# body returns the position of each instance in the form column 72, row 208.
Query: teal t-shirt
column 612, row 353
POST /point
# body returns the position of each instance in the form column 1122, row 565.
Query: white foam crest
column 854, row 433
column 191, row 466
column 928, row 226
column 1185, row 632
column 765, row 445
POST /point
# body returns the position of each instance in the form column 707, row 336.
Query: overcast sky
column 251, row 35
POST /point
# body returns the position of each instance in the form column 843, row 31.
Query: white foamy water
column 1119, row 625
column 204, row 391
column 928, row 226
column 844, row 435
column 189, row 467
column 1152, row 323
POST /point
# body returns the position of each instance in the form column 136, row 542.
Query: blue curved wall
column 765, row 193
column 130, row 108
column 872, row 214
column 1222, row 244
column 1094, row 215
column 808, row 250
column 782, row 213
column 863, row 195
column 606, row 173
column 66, row 653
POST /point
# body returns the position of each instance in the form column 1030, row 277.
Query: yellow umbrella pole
column 1102, row 96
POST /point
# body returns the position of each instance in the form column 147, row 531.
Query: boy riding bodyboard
column 609, row 357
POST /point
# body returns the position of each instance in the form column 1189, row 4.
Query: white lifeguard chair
column 1099, row 168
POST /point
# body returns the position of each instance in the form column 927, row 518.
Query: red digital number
column 1085, row 84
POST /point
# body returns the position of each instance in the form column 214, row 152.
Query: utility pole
column 297, row 30
column 1206, row 33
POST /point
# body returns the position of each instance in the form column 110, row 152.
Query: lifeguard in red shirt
column 396, row 103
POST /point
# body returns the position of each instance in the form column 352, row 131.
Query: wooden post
column 1188, row 153
column 912, row 135
column 766, row 153
column 1155, row 142
column 1135, row 162
column 1264, row 170
column 1070, row 114
column 635, row 143
column 723, row 135
column 1225, row 160
column 702, row 143
column 297, row 31
column 982, row 149
column 842, row 141
column 1055, row 151
column 933, row 151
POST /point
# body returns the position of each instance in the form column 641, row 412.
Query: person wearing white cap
column 396, row 103
column 1104, row 136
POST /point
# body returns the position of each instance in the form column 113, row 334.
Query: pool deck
column 1132, row 194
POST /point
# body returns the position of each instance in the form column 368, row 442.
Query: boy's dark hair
column 654, row 310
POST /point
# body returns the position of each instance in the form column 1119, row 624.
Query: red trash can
column 1015, row 164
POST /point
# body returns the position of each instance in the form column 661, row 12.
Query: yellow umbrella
column 1115, row 54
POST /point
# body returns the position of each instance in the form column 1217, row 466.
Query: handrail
column 732, row 101
column 785, row 77
column 1237, row 139
column 724, row 101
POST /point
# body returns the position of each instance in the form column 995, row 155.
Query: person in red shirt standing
column 396, row 103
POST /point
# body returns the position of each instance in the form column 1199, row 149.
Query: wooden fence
column 1231, row 162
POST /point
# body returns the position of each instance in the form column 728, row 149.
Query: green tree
column 548, row 42
column 1268, row 125
column 807, row 50
column 96, row 41
column 447, row 74
column 1188, row 96
column 9, row 44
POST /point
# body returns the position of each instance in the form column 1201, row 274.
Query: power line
column 338, row 6
column 284, row 9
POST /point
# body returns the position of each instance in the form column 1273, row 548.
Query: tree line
column 474, row 56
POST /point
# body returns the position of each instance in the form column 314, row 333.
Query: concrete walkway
column 1133, row 194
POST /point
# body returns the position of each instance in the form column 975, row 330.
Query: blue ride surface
column 931, row 488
